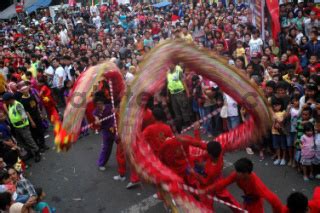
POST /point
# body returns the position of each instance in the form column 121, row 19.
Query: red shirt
column 177, row 156
column 174, row 18
column 148, row 119
column 293, row 59
column 155, row 30
column 314, row 68
column 155, row 134
column 254, row 188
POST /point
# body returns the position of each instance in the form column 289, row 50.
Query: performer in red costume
column 200, row 171
column 298, row 203
column 175, row 154
column 254, row 189
column 47, row 99
column 147, row 120
column 156, row 133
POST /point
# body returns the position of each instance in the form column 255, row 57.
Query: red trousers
column 121, row 160
column 224, row 195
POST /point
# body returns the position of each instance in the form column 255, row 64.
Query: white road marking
column 143, row 205
column 227, row 164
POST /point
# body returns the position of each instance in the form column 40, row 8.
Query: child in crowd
column 305, row 117
column 241, row 52
column 41, row 206
column 278, row 136
column 307, row 151
column 314, row 66
column 293, row 113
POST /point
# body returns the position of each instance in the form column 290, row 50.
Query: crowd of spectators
column 42, row 54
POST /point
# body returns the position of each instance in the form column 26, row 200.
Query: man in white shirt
column 232, row 112
column 48, row 72
column 298, row 37
column 96, row 20
column 58, row 81
column 255, row 43
column 94, row 9
column 311, row 22
column 128, row 77
column 68, row 67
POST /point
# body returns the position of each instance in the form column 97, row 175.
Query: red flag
column 273, row 6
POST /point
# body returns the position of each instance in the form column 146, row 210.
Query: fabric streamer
column 152, row 78
column 81, row 94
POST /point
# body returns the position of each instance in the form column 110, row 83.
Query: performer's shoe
column 283, row 162
column 318, row 176
column 102, row 168
column 277, row 162
column 249, row 151
column 37, row 158
column 118, row 177
column 44, row 148
column 132, row 185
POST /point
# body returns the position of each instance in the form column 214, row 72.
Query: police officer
column 178, row 96
column 19, row 120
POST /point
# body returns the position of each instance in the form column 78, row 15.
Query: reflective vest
column 175, row 84
column 17, row 120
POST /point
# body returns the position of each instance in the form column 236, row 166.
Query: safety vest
column 175, row 84
column 17, row 120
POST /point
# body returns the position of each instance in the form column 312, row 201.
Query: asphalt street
column 73, row 182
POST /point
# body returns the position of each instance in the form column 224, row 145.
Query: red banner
column 273, row 7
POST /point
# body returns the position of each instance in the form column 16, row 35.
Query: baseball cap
column 7, row 96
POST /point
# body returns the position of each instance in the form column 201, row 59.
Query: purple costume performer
column 108, row 133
